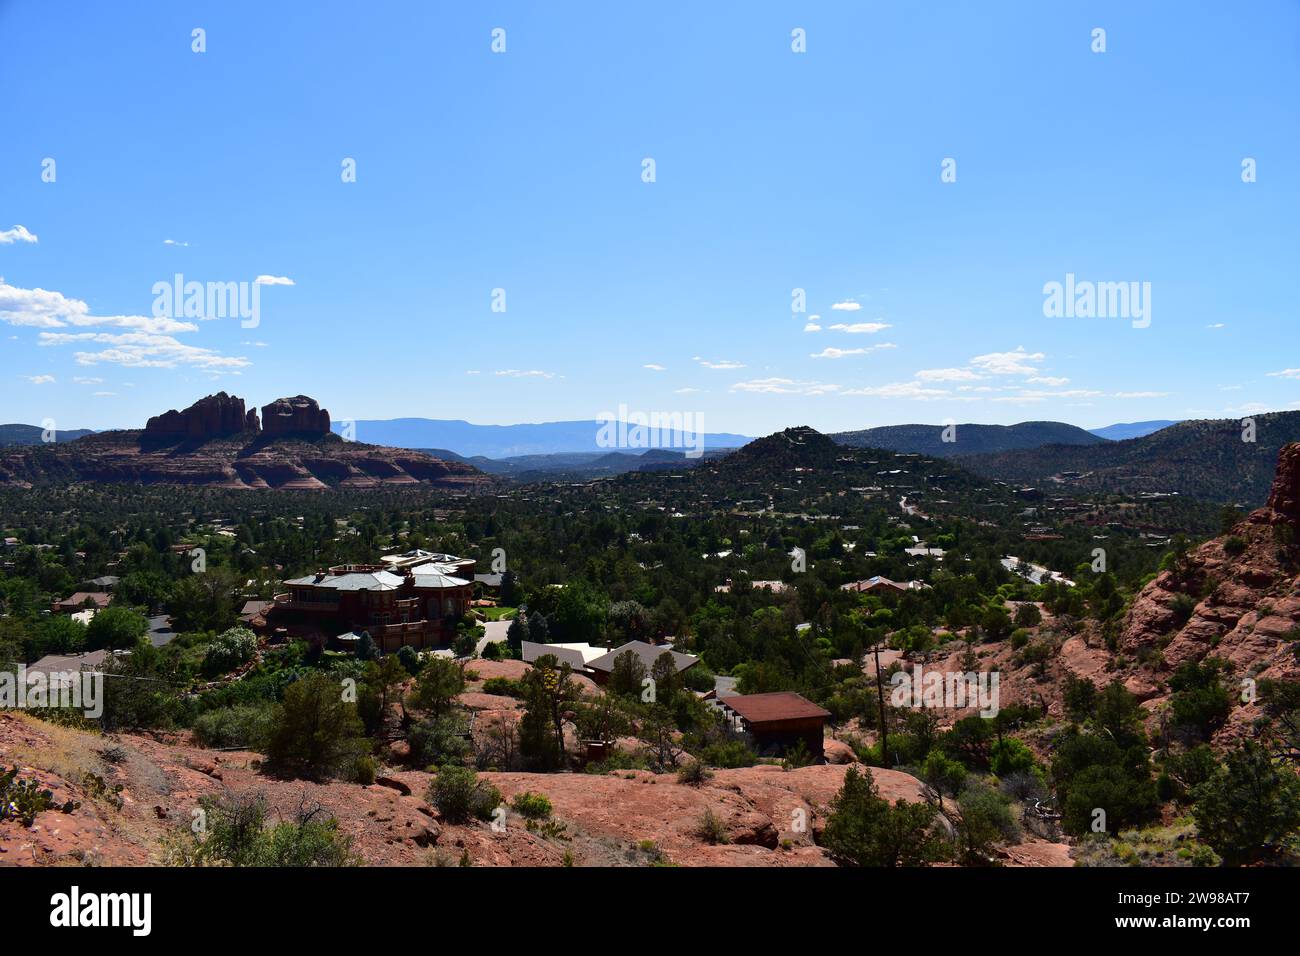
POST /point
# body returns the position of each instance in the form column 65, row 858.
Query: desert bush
column 531, row 806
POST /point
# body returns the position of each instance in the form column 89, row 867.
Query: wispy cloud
column 40, row 379
column 146, row 341
column 858, row 328
column 273, row 280
column 784, row 386
column 175, row 242
column 1017, row 362
column 1286, row 373
column 724, row 365
column 16, row 234
column 654, row 367
column 848, row 305
column 525, row 373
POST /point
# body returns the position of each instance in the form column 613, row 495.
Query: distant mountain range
column 966, row 440
column 1215, row 460
column 512, row 441
column 33, row 435
column 1121, row 432
column 577, row 466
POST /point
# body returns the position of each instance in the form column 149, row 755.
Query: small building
column 408, row 600
column 577, row 656
column 81, row 601
column 777, row 722
column 601, row 667
column 105, row 583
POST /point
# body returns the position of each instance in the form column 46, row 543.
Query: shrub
column 459, row 795
column 532, row 806
column 438, row 741
column 318, row 734
column 236, row 834
column 1009, row 756
column 711, row 829
column 1234, row 546
column 244, row 725
column 864, row 829
column 503, row 687
column 728, row 754
column 229, row 650
column 693, row 773
column 1248, row 806
column 984, row 819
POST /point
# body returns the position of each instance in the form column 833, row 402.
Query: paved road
column 495, row 633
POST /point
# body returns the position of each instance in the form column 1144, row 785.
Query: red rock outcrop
column 298, row 415
column 1284, row 498
column 209, row 417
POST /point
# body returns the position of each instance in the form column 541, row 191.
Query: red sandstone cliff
column 217, row 443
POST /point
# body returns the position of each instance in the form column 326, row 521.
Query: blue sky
column 774, row 171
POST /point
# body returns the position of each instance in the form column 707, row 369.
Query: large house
column 412, row 599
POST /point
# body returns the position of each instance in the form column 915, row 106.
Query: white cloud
column 1215, row 325
column 686, row 390
column 654, row 367
column 40, row 379
column 273, row 280
column 83, row 380
column 104, row 394
column 911, row 390
column 784, row 386
column 725, row 364
column 812, row 327
column 1018, row 362
column 834, row 353
column 175, row 242
column 1048, row 380
column 871, row 328
column 142, row 340
column 1286, row 373
column 16, row 234
column 525, row 373
column 38, row 308
column 1140, row 395
column 947, row 375
column 847, row 306
column 143, row 350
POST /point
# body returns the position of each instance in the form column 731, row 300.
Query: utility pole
column 880, row 695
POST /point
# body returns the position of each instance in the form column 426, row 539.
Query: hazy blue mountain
column 1126, row 430
column 578, row 466
column 970, row 439
column 31, row 434
column 508, row 441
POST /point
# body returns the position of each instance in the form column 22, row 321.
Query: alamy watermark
column 242, row 300
column 1085, row 299
column 632, row 429
column 950, row 689
column 71, row 690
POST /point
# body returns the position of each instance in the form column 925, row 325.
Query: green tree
column 116, row 628
column 439, row 682
column 865, row 830
column 1249, row 806
column 318, row 734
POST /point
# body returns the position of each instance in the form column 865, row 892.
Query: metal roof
column 648, row 653
column 438, row 579
column 352, row 581
column 771, row 708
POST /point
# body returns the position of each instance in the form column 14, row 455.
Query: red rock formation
column 298, row 415
column 210, row 417
column 1284, row 499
